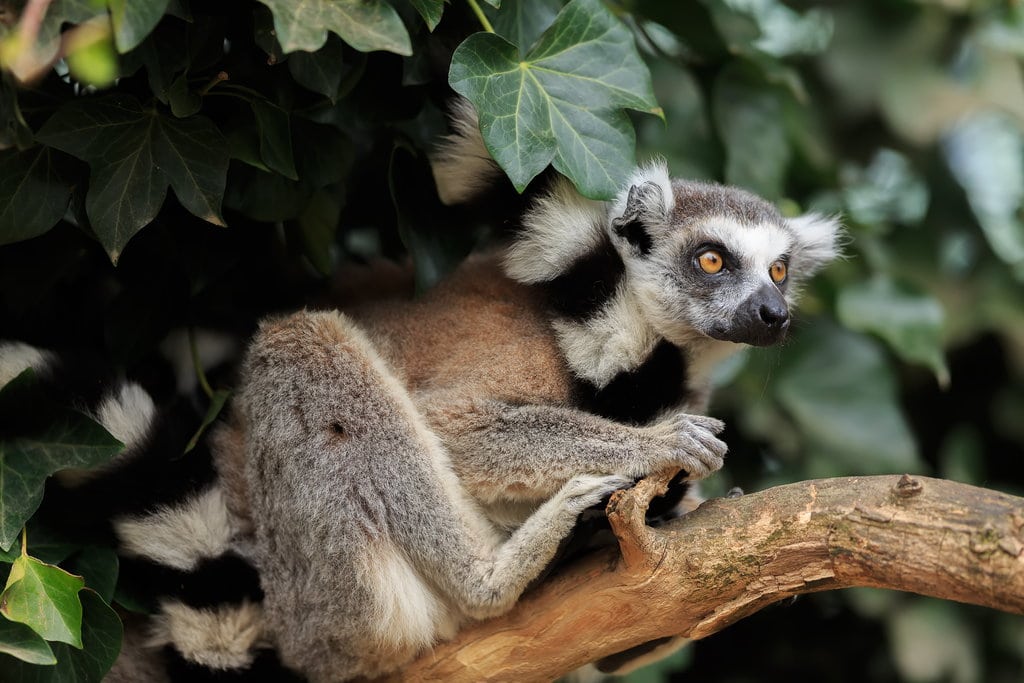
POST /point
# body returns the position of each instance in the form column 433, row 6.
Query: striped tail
column 165, row 512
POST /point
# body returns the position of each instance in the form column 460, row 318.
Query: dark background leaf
column 43, row 439
column 101, row 638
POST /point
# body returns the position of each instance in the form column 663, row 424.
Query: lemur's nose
column 773, row 314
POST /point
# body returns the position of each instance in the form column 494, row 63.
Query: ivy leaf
column 496, row 4
column 183, row 101
column 98, row 566
column 563, row 102
column 435, row 251
column 779, row 30
column 430, row 10
column 44, row 598
column 18, row 640
column 366, row 25
column 44, row 543
column 14, row 132
column 686, row 139
column 910, row 322
column 134, row 154
column 33, row 193
column 101, row 638
column 986, row 155
column 318, row 226
column 521, row 22
column 134, row 21
column 267, row 197
column 319, row 71
column 328, row 153
column 749, row 117
column 848, row 411
column 50, row 438
column 888, row 190
column 275, row 138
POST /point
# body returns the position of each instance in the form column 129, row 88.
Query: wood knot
column 908, row 487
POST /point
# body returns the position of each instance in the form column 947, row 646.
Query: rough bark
column 731, row 557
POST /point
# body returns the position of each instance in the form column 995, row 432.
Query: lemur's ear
column 643, row 212
column 817, row 242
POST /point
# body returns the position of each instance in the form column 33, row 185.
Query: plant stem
column 24, row 541
column 475, row 6
column 195, row 363
column 219, row 78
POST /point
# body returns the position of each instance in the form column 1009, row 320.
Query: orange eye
column 778, row 272
column 710, row 261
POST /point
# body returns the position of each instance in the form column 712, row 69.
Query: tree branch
column 731, row 557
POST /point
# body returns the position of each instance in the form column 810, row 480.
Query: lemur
column 393, row 470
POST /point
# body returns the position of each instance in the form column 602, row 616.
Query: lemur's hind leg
column 369, row 548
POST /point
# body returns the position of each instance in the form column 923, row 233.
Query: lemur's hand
column 692, row 444
column 584, row 490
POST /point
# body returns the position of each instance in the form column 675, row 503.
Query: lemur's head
column 715, row 260
column 701, row 260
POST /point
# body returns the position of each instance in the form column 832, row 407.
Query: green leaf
column 319, row 71
column 749, row 119
column 435, row 251
column 366, row 25
column 50, row 438
column 910, row 322
column 183, row 101
column 561, row 104
column 33, row 193
column 685, row 139
column 521, row 22
column 266, row 196
column 244, row 145
column 496, row 4
column 134, row 21
column 848, row 412
column 101, row 639
column 986, row 155
column 327, row 156
column 930, row 641
column 162, row 57
column 18, row 640
column 14, row 132
column 98, row 566
column 275, row 138
column 217, row 402
column 44, row 543
column 134, row 154
column 430, row 10
column 318, row 225
column 44, row 598
column 888, row 190
column 781, row 31
column 265, row 35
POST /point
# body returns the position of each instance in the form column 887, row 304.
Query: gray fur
column 332, row 507
column 505, row 453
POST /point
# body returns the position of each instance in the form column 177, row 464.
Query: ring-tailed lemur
column 392, row 471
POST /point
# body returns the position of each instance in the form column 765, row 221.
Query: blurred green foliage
column 228, row 157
